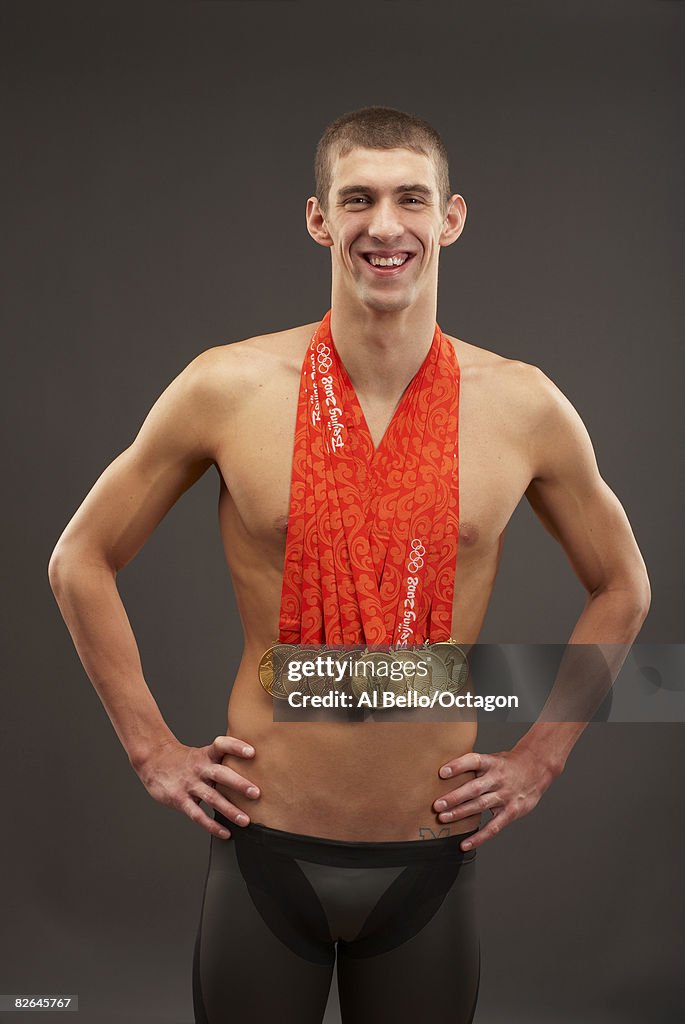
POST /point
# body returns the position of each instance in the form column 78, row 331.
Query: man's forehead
column 367, row 166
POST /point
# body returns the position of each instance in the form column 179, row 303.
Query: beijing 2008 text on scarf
column 372, row 533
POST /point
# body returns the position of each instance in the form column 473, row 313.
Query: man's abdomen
column 365, row 780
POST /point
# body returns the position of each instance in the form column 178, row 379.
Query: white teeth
column 391, row 261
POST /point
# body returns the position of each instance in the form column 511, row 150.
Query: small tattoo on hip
column 425, row 832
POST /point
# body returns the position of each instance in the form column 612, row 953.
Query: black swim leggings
column 277, row 906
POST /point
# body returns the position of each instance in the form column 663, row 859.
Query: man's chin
column 387, row 303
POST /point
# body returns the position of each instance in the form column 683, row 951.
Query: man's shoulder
column 504, row 377
column 251, row 361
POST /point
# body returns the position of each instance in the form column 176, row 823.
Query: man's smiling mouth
column 387, row 261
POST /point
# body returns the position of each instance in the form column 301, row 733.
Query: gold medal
column 265, row 669
column 366, row 675
column 430, row 675
column 292, row 678
column 322, row 682
column 407, row 663
column 345, row 658
column 437, row 667
column 450, row 666
column 270, row 667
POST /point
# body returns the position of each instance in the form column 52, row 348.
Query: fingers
column 468, row 792
column 180, row 777
column 223, row 745
column 472, row 762
column 214, row 772
column 196, row 814
column 486, row 802
column 215, row 799
column 221, row 773
column 489, row 831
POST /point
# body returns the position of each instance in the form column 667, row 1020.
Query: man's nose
column 384, row 222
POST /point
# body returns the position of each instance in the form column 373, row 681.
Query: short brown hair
column 378, row 128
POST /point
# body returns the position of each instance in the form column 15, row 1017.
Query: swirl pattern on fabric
column 372, row 533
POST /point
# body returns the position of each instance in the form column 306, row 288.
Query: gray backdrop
column 158, row 156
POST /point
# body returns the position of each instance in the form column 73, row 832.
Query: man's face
column 385, row 226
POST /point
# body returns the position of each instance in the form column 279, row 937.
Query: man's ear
column 316, row 223
column 453, row 224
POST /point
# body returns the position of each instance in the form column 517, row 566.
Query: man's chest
column 255, row 459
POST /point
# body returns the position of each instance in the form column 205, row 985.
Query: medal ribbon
column 372, row 533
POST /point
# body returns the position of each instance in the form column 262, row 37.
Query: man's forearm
column 89, row 600
column 597, row 648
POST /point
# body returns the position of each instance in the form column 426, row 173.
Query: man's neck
column 382, row 351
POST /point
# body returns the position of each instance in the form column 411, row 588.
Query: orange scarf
column 372, row 533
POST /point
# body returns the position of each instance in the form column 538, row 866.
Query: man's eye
column 412, row 199
column 358, row 199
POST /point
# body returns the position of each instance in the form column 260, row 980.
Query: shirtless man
column 319, row 830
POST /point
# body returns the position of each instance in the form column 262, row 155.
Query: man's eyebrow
column 350, row 190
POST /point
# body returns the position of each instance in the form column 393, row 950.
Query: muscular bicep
column 173, row 448
column 576, row 505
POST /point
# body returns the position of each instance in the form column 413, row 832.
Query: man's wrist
column 141, row 752
column 550, row 743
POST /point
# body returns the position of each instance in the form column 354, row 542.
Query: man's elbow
column 631, row 600
column 638, row 598
column 645, row 597
column 70, row 562
column 58, row 567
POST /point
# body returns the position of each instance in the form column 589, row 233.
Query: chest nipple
column 281, row 524
column 468, row 534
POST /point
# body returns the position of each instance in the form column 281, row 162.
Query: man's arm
column 175, row 446
column 582, row 513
